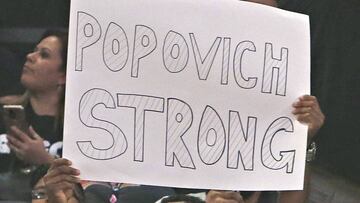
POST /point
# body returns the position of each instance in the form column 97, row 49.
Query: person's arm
column 60, row 182
column 307, row 111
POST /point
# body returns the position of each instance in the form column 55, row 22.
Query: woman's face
column 42, row 69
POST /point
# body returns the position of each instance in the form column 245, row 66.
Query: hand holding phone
column 24, row 141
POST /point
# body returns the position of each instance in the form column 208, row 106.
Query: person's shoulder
column 11, row 99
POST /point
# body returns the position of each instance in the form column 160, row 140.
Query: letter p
column 144, row 43
column 88, row 32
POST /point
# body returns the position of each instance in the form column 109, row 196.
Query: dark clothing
column 143, row 194
column 131, row 194
column 14, row 180
column 335, row 80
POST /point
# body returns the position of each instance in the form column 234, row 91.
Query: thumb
column 34, row 134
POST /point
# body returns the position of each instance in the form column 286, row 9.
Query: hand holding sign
column 307, row 110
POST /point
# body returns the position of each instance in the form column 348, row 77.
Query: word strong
column 176, row 53
column 213, row 141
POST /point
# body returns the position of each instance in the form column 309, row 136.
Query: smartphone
column 14, row 115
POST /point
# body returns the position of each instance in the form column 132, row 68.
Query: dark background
column 335, row 80
column 21, row 25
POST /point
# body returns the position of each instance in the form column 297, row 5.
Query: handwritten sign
column 193, row 94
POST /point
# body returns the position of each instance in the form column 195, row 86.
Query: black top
column 45, row 126
column 335, row 80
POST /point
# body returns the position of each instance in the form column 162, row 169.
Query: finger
column 33, row 134
column 212, row 195
column 13, row 147
column 59, row 162
column 51, row 179
column 311, row 117
column 313, row 111
column 301, row 110
column 304, row 118
column 15, row 142
column 69, row 170
column 313, row 120
column 59, row 186
column 60, row 183
column 56, row 179
column 64, row 170
column 19, row 154
column 20, row 135
column 230, row 195
column 307, row 97
column 237, row 197
column 304, row 104
column 219, row 196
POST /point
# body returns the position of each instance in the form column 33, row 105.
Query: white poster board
column 186, row 93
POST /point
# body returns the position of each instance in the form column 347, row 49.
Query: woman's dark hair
column 63, row 38
column 62, row 35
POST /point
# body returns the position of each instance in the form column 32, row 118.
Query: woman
column 43, row 77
